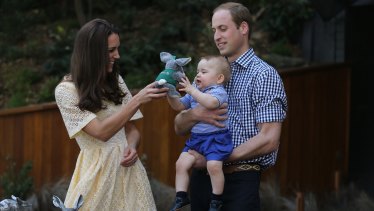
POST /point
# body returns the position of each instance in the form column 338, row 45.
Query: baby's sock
column 182, row 194
column 217, row 197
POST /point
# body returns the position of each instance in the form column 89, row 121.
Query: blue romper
column 213, row 142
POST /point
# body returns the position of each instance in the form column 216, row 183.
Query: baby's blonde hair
column 223, row 66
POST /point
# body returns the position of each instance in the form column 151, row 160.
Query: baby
column 213, row 142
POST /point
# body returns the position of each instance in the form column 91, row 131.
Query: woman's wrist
column 135, row 102
column 133, row 145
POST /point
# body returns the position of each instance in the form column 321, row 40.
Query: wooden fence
column 313, row 154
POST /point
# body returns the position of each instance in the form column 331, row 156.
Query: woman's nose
column 116, row 55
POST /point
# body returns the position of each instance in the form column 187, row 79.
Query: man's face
column 230, row 39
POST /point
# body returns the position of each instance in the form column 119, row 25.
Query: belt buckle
column 247, row 167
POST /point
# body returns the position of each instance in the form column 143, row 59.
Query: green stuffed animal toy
column 172, row 74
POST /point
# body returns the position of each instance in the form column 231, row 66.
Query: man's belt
column 241, row 167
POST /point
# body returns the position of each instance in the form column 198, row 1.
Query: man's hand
column 212, row 117
column 185, row 120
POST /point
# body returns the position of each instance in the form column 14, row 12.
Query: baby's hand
column 186, row 85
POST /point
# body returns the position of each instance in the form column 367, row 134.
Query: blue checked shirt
column 256, row 95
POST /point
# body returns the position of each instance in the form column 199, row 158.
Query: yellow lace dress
column 98, row 175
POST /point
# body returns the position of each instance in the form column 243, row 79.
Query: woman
column 97, row 109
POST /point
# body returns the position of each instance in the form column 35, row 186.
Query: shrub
column 16, row 181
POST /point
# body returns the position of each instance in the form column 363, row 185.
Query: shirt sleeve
column 269, row 97
column 186, row 101
column 128, row 97
column 67, row 101
column 220, row 93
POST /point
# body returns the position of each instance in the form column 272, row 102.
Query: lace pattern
column 98, row 175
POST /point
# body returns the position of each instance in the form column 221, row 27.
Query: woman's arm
column 130, row 154
column 132, row 135
column 106, row 128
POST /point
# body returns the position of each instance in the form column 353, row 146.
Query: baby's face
column 207, row 74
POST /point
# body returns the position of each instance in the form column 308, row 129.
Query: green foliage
column 10, row 52
column 16, row 17
column 16, row 181
column 134, row 80
column 17, row 100
column 43, row 32
column 285, row 18
column 58, row 53
column 281, row 47
column 19, row 80
column 46, row 92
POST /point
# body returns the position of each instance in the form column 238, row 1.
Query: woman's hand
column 150, row 92
column 130, row 156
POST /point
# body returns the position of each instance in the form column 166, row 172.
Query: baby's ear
column 221, row 79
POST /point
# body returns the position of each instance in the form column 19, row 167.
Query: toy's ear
column 57, row 202
column 182, row 61
column 165, row 57
column 79, row 202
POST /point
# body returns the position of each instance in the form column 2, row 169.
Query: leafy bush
column 45, row 38
column 20, row 79
column 46, row 92
column 16, row 182
column 284, row 19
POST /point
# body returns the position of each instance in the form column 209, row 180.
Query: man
column 256, row 109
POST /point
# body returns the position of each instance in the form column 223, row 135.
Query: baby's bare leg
column 216, row 176
column 183, row 165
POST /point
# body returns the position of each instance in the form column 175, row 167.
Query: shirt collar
column 245, row 59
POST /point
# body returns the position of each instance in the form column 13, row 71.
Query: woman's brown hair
column 89, row 66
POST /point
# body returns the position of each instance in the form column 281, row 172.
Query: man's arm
column 186, row 119
column 266, row 141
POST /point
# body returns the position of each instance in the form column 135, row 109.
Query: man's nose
column 217, row 35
